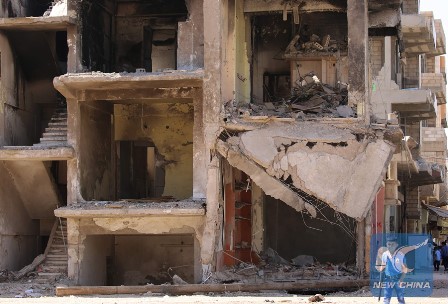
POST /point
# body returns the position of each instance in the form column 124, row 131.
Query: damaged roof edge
column 270, row 185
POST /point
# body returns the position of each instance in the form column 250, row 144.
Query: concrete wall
column 412, row 72
column 95, row 154
column 170, row 127
column 82, row 243
column 291, row 234
column 17, row 115
column 18, row 233
column 148, row 259
column 376, row 47
column 190, row 41
column 411, row 6
column 93, row 269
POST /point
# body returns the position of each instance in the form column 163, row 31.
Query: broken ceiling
column 333, row 164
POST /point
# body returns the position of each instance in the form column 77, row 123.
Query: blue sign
column 401, row 265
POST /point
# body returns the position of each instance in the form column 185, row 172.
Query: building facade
column 141, row 139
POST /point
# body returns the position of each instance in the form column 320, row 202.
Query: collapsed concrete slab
column 270, row 185
column 333, row 164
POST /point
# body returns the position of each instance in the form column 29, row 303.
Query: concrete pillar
column 388, row 56
column 211, row 118
column 199, row 149
column 73, row 139
column 257, row 218
column 73, row 251
column 357, row 17
column 361, row 246
column 74, row 63
column 190, row 49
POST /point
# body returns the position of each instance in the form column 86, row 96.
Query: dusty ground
column 44, row 293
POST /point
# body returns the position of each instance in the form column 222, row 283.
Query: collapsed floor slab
column 333, row 164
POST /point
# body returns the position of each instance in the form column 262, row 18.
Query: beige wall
column 170, row 127
column 18, row 233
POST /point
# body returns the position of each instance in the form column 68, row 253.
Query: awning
column 437, row 211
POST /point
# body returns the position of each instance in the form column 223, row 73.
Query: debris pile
column 306, row 43
column 274, row 268
column 5, row 275
column 309, row 99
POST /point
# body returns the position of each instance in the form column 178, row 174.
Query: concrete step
column 49, row 274
column 51, row 144
column 52, row 257
column 54, row 134
column 59, row 263
column 57, row 118
column 56, row 129
column 57, row 124
column 56, row 139
column 58, row 246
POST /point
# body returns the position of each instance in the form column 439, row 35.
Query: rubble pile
column 312, row 96
column 5, row 275
column 273, row 268
column 309, row 98
column 305, row 43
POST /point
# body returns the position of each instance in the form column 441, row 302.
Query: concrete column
column 190, row 50
column 361, row 246
column 73, row 240
column 388, row 57
column 199, row 149
column 357, row 17
column 74, row 63
column 213, row 9
column 257, row 218
column 73, row 139
column 368, row 237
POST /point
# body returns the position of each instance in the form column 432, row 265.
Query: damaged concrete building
column 187, row 136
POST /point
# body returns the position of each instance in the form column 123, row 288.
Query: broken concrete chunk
column 274, row 257
column 284, row 163
column 303, row 260
column 317, row 298
column 178, row 280
column 345, row 111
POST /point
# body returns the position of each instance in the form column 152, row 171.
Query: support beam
column 357, row 17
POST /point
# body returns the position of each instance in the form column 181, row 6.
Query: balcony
column 419, row 33
column 412, row 104
column 436, row 83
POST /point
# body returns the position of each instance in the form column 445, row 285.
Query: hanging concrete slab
column 333, row 164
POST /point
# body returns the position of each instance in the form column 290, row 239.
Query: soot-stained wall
column 291, row 234
column 147, row 259
column 95, row 155
column 169, row 126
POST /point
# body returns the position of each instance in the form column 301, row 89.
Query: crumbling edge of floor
column 199, row 288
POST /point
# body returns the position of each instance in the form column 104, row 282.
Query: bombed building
column 145, row 139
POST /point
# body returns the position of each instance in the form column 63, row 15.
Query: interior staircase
column 55, row 263
column 56, row 132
